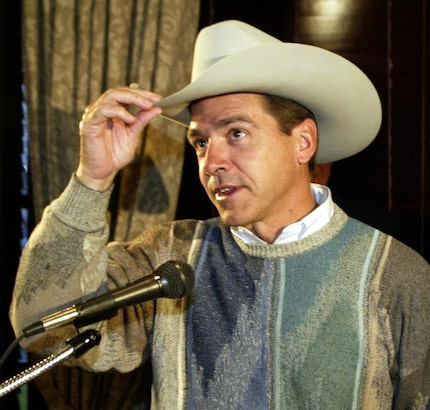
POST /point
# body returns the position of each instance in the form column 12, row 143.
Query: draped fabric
column 73, row 50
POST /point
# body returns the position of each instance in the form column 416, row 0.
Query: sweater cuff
column 81, row 207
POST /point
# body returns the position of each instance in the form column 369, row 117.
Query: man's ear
column 308, row 140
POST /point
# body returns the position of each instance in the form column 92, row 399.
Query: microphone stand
column 77, row 346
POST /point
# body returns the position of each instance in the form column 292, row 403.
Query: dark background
column 384, row 186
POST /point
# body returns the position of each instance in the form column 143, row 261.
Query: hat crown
column 223, row 39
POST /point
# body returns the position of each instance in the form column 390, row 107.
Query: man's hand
column 109, row 134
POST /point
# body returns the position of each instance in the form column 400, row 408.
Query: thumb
column 145, row 116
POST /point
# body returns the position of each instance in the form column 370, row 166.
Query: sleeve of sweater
column 405, row 296
column 64, row 259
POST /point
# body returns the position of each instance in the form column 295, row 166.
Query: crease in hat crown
column 223, row 39
column 232, row 57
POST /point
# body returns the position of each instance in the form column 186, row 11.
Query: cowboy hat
column 232, row 56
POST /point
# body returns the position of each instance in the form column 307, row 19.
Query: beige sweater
column 339, row 319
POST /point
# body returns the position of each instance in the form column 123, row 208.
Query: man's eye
column 237, row 133
column 199, row 144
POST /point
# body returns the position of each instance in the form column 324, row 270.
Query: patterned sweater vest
column 272, row 328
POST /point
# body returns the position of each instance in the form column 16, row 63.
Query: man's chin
column 230, row 219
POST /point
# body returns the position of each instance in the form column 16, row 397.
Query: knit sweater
column 339, row 319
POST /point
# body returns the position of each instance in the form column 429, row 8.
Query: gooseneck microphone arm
column 76, row 346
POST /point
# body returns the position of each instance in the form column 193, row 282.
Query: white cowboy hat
column 233, row 56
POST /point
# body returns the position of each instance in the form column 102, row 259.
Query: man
column 295, row 305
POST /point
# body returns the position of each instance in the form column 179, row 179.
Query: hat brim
column 341, row 96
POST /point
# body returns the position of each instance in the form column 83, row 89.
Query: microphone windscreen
column 177, row 278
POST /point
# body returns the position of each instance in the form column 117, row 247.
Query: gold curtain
column 73, row 50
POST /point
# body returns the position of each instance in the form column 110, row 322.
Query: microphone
column 172, row 279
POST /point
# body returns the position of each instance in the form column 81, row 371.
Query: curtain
column 73, row 50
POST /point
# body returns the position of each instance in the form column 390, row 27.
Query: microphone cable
column 10, row 349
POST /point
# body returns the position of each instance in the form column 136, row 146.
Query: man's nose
column 216, row 157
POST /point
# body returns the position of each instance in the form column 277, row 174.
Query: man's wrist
column 100, row 185
column 82, row 207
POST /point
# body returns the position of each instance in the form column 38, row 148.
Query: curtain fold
column 73, row 50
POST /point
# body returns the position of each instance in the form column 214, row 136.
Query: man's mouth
column 222, row 192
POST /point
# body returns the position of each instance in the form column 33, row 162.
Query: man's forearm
column 63, row 258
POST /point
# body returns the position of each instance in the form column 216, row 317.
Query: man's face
column 250, row 170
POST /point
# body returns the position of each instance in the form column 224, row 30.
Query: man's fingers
column 117, row 103
column 131, row 96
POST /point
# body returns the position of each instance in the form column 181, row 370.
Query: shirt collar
column 312, row 222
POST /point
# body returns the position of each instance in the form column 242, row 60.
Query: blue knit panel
column 228, row 329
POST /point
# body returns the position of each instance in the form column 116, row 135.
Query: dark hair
column 288, row 114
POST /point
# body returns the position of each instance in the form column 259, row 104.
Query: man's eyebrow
column 222, row 123
column 232, row 119
column 192, row 132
